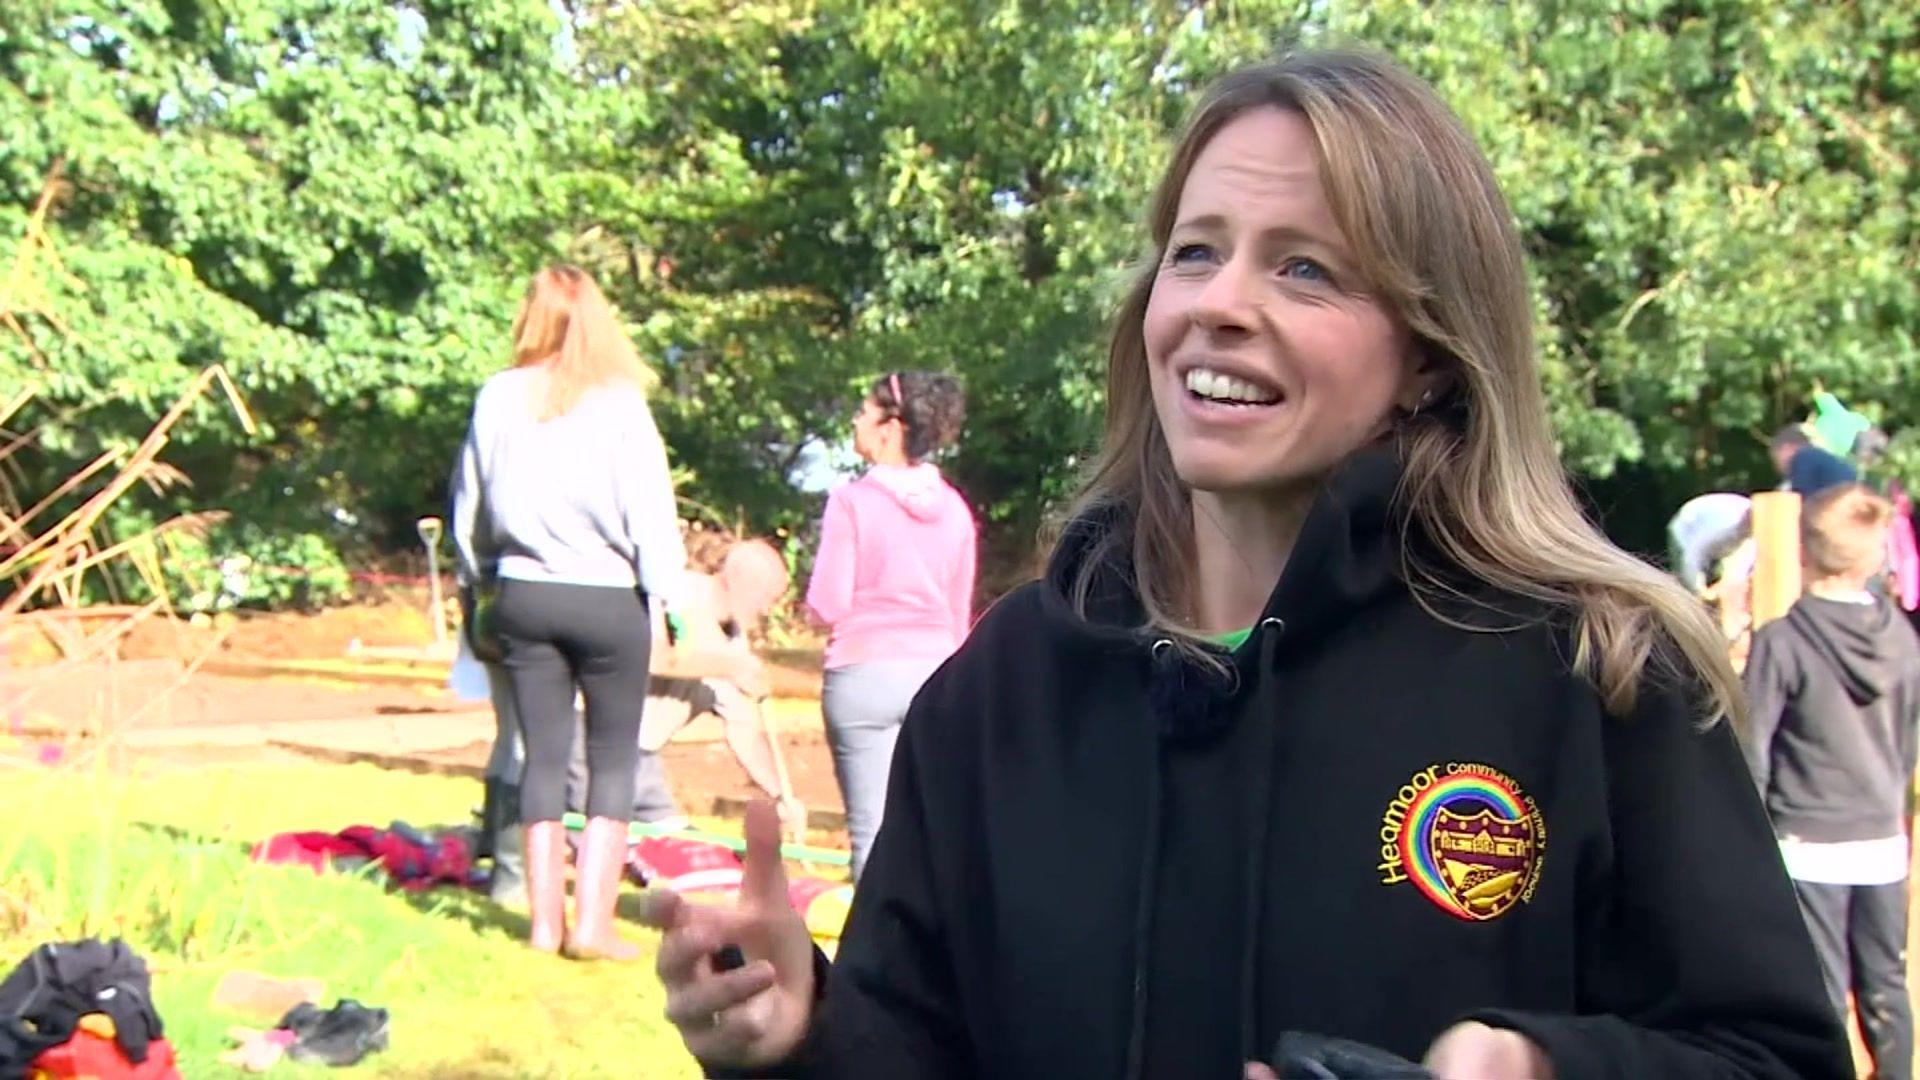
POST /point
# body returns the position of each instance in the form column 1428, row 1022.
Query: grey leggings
column 864, row 705
column 652, row 795
column 559, row 637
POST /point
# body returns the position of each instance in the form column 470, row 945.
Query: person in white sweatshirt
column 563, row 504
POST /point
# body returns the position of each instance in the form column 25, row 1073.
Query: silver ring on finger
column 714, row 1020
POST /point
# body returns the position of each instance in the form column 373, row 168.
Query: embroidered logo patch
column 1467, row 837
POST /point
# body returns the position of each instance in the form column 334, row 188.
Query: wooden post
column 1776, row 566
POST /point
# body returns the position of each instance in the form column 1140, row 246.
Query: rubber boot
column 508, row 886
column 546, row 863
column 596, row 888
column 484, row 844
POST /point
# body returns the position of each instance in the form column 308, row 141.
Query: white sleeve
column 651, row 516
column 472, row 538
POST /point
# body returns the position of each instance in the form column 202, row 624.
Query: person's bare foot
column 611, row 947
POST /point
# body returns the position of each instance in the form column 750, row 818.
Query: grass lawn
column 161, row 860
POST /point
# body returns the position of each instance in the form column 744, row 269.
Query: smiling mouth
column 1219, row 388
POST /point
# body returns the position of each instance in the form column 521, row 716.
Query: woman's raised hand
column 754, row 1015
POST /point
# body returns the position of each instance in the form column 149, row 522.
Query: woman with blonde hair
column 1334, row 737
column 563, row 501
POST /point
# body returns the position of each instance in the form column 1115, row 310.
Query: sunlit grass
column 162, row 861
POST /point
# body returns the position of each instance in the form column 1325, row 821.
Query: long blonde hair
column 1482, row 479
column 566, row 325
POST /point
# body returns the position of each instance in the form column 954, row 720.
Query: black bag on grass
column 42, row 1001
column 341, row 1035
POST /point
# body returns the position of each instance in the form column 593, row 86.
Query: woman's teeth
column 1215, row 386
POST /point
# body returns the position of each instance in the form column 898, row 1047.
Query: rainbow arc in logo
column 1469, row 844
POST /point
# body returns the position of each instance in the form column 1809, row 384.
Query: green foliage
column 933, row 185
column 1719, row 200
column 341, row 198
column 252, row 567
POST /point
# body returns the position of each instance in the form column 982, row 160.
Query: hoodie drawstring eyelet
column 1273, row 629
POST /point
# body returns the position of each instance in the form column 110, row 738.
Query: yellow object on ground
column 827, row 915
column 99, row 1024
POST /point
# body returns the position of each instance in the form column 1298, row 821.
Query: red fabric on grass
column 411, row 862
column 89, row 1055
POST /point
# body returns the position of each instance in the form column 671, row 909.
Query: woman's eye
column 1299, row 269
column 1187, row 253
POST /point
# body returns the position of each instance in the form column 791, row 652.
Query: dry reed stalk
column 73, row 532
column 52, row 561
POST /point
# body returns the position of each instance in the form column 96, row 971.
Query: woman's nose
column 1225, row 304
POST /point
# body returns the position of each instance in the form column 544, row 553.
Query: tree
column 1719, row 203
column 957, row 185
column 340, row 200
column 923, row 185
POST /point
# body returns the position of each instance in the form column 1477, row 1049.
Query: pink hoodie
column 893, row 579
column 1903, row 551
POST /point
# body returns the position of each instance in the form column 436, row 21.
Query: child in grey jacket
column 1834, row 687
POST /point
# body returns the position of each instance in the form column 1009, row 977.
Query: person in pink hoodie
column 893, row 582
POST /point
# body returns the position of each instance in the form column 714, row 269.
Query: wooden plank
column 783, row 682
column 93, row 612
column 344, row 671
column 411, row 763
column 1776, row 567
column 732, row 806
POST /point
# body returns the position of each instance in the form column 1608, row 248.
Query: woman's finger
column 682, row 950
column 730, row 1032
column 661, row 909
column 702, row 931
column 763, row 875
column 695, row 1004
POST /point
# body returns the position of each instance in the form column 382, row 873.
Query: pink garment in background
column 893, row 579
column 1903, row 554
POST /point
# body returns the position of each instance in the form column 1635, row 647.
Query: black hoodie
column 1833, row 689
column 1099, row 862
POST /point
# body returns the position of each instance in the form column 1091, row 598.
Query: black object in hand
column 1300, row 1055
column 729, row 957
